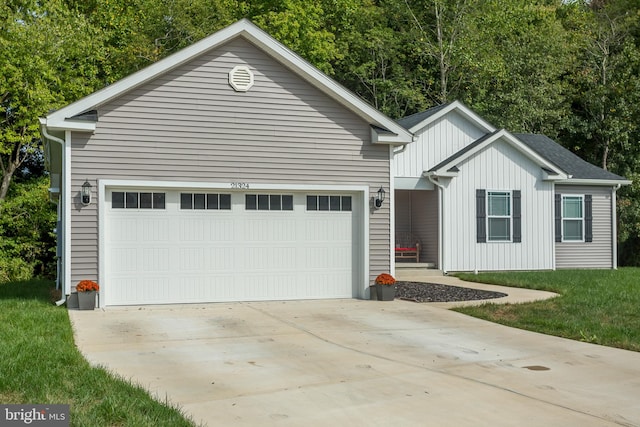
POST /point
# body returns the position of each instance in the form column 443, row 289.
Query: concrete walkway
column 359, row 363
column 514, row 295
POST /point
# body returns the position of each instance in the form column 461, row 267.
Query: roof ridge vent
column 241, row 78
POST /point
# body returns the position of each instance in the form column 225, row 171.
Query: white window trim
column 510, row 216
column 562, row 218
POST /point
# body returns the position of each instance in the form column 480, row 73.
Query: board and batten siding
column 417, row 213
column 599, row 252
column 190, row 125
column 498, row 167
column 440, row 140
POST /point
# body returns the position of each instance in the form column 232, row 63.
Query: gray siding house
column 234, row 170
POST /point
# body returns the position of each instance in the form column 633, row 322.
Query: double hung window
column 572, row 218
column 498, row 216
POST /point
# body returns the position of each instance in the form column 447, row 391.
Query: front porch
column 416, row 213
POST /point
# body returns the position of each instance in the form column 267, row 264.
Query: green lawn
column 40, row 364
column 597, row 306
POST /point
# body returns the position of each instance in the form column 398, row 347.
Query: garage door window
column 329, row 203
column 201, row 201
column 269, row 202
column 137, row 200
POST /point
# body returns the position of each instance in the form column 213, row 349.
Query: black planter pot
column 386, row 292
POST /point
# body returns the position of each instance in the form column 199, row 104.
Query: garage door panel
column 184, row 256
column 153, row 230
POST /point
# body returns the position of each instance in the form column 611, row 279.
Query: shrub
column 27, row 241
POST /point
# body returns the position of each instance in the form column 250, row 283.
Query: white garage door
column 195, row 246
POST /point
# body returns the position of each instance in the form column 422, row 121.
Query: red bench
column 407, row 246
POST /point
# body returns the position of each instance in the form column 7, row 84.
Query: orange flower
column 87, row 286
column 385, row 279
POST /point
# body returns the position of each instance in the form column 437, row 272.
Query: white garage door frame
column 361, row 203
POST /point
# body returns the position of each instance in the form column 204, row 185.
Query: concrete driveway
column 359, row 363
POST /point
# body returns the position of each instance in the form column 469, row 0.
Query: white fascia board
column 460, row 108
column 546, row 176
column 437, row 174
column 605, row 182
column 261, row 39
column 79, row 126
column 380, row 136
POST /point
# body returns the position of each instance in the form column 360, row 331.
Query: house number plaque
column 240, row 185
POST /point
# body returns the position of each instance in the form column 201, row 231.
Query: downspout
column 60, row 141
column 434, row 181
column 404, row 147
column 614, row 225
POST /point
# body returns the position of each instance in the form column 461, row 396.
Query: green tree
column 43, row 64
column 605, row 100
column 514, row 73
column 385, row 64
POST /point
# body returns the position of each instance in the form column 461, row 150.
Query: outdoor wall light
column 380, row 198
column 85, row 194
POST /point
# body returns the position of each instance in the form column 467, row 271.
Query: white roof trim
column 251, row 32
column 460, row 108
column 606, row 182
column 443, row 170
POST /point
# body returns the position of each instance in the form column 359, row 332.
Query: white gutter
column 63, row 195
column 434, row 181
column 613, row 182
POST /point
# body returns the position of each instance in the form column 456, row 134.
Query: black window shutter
column 481, row 215
column 517, row 217
column 558, row 214
column 588, row 218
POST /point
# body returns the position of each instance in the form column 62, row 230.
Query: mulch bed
column 432, row 292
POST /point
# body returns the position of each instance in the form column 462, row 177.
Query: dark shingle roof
column 412, row 120
column 565, row 159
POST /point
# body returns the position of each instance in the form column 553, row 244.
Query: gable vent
column 241, row 78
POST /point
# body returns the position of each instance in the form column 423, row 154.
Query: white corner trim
column 103, row 278
column 614, row 226
column 66, row 211
column 364, row 271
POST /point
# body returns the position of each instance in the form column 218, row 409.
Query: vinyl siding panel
column 498, row 167
column 599, row 252
column 436, row 143
column 190, row 125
